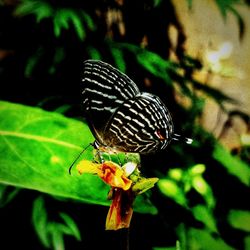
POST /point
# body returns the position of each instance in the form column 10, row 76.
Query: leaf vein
column 39, row 138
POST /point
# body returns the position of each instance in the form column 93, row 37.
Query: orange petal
column 120, row 211
column 114, row 175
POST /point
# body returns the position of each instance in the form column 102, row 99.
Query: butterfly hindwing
column 142, row 124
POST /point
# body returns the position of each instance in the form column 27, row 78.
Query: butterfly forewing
column 104, row 90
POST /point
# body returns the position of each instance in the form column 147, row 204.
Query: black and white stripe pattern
column 136, row 125
column 121, row 117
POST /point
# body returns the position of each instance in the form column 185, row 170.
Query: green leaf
column 247, row 242
column 176, row 174
column 202, row 239
column 225, row 5
column 93, row 53
column 52, row 233
column 197, row 169
column 62, row 109
column 89, row 21
column 144, row 184
column 71, row 225
column 58, row 57
column 40, row 9
column 157, row 3
column 203, row 188
column 171, row 189
column 7, row 194
column 240, row 219
column 240, row 21
column 156, row 65
column 79, row 28
column 25, row 8
column 119, row 59
column 205, row 215
column 40, row 221
column 33, row 61
column 62, row 20
column 38, row 148
column 151, row 61
column 233, row 164
column 56, row 232
column 144, row 205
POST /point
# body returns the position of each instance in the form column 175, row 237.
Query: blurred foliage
column 201, row 198
column 49, row 232
column 7, row 193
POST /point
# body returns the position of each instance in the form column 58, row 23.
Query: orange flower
column 114, row 175
column 126, row 183
column 109, row 172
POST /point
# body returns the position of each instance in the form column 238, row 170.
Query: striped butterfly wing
column 142, row 124
column 104, row 90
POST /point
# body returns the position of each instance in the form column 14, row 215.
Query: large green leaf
column 37, row 147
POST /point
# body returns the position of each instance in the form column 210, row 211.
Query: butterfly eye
column 161, row 133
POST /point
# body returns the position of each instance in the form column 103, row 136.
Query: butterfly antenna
column 73, row 163
column 178, row 137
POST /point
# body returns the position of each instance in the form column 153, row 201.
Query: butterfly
column 120, row 116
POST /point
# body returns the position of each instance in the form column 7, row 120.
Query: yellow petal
column 90, row 167
column 114, row 175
